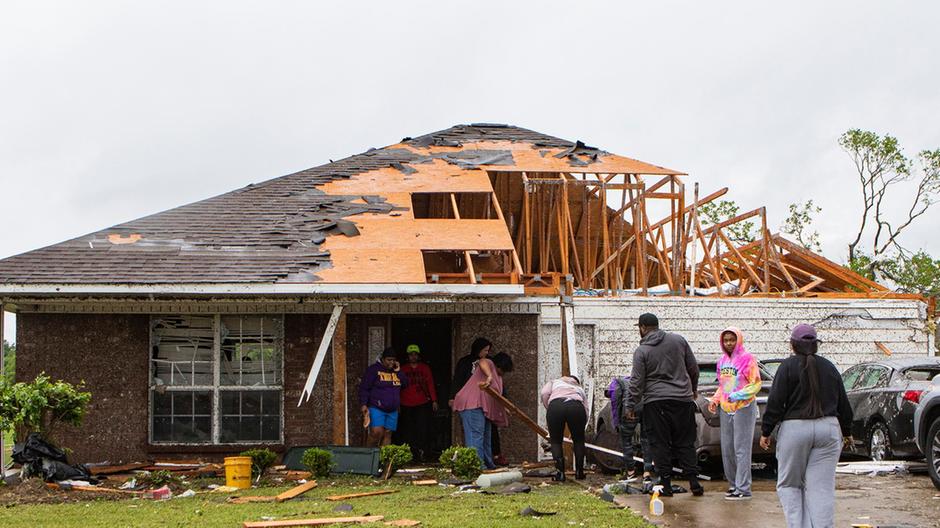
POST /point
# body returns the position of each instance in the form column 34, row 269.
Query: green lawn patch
column 432, row 505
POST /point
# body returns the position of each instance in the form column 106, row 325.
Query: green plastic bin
column 357, row 460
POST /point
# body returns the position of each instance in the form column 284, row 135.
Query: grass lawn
column 432, row 505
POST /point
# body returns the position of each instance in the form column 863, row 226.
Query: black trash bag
column 40, row 458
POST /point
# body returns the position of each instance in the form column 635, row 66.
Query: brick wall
column 311, row 423
column 108, row 352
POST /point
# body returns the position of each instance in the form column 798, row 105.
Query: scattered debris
column 314, row 522
column 428, row 482
column 403, row 522
column 250, row 499
column 542, row 472
column 162, row 493
column 94, row 489
column 111, row 470
column 488, row 480
column 515, row 488
column 186, row 494
column 874, row 468
column 297, row 491
column 343, row 508
column 224, row 489
column 528, row 511
column 358, row 495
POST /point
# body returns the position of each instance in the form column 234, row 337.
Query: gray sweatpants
column 807, row 454
column 737, row 441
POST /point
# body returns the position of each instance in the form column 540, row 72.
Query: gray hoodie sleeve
column 691, row 366
column 637, row 380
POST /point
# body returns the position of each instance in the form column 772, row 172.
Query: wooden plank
column 517, row 412
column 251, row 499
column 340, row 403
column 111, row 470
column 740, row 258
column 314, row 522
column 296, row 491
column 884, row 348
column 358, row 495
column 92, row 489
column 428, row 482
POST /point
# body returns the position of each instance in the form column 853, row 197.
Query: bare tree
column 881, row 166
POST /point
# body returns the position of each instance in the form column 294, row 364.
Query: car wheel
column 606, row 462
column 879, row 442
column 932, row 448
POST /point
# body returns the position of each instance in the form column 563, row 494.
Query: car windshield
column 922, row 373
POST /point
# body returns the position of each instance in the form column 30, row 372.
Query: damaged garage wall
column 606, row 336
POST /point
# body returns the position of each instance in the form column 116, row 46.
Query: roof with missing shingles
column 274, row 231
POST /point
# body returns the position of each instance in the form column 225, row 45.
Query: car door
column 870, row 392
column 851, row 379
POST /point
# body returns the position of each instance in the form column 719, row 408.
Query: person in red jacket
column 418, row 405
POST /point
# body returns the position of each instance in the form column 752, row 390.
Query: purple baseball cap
column 803, row 332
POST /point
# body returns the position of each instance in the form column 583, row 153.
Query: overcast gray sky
column 113, row 110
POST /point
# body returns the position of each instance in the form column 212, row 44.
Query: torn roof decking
column 290, row 229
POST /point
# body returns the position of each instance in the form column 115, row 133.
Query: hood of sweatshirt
column 738, row 346
column 653, row 338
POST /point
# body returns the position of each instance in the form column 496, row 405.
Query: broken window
column 216, row 379
column 469, row 205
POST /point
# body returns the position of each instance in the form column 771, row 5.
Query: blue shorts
column 380, row 418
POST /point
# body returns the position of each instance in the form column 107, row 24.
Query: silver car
column 927, row 429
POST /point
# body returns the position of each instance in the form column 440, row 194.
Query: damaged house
column 246, row 319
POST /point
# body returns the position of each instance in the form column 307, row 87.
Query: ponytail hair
column 805, row 344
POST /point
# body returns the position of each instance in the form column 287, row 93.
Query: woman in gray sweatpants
column 808, row 401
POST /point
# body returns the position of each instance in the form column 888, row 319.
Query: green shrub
column 261, row 460
column 463, row 462
column 398, row 455
column 41, row 406
column 318, row 461
column 158, row 479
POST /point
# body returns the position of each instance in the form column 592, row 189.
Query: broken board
column 297, row 491
column 314, row 522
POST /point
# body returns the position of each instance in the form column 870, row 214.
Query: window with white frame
column 216, row 379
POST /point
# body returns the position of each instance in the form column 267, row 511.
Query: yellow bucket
column 238, row 472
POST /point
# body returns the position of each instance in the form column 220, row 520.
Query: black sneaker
column 737, row 496
column 730, row 492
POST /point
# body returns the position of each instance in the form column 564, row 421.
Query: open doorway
column 434, row 336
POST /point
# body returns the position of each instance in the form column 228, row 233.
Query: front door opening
column 434, row 336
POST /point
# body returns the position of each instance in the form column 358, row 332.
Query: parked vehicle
column 708, row 441
column 772, row 365
column 927, row 429
column 883, row 395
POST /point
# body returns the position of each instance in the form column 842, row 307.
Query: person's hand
column 434, row 406
column 712, row 407
column 396, row 366
column 631, row 415
column 848, row 442
column 485, row 384
column 364, row 409
column 765, row 443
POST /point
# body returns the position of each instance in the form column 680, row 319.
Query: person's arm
column 752, row 387
column 429, row 378
column 365, row 387
column 545, row 394
column 716, row 398
column 777, row 400
column 691, row 366
column 487, row 367
column 637, row 382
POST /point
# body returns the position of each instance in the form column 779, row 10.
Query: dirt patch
column 34, row 491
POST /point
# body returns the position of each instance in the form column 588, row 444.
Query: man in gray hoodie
column 664, row 380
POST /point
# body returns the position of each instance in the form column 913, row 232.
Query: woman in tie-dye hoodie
column 738, row 384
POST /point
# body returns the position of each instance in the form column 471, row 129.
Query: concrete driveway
column 885, row 500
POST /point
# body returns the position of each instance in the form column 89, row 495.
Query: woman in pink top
column 479, row 411
column 566, row 404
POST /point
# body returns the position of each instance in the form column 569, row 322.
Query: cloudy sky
column 113, row 110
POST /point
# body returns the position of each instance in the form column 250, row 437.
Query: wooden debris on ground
column 250, row 499
column 536, row 465
column 296, row 491
column 297, row 475
column 428, row 482
column 112, row 470
column 94, row 489
column 358, row 495
column 403, row 522
column 314, row 522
